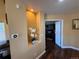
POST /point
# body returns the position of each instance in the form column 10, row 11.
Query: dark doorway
column 50, row 34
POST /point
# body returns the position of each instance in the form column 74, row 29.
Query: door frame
column 57, row 20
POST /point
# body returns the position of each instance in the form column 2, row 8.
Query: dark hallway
column 50, row 34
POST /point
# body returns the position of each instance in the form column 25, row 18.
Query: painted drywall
column 71, row 37
column 18, row 24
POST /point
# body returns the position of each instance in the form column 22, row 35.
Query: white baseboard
column 71, row 47
column 40, row 54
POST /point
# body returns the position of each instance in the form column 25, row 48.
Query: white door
column 58, row 33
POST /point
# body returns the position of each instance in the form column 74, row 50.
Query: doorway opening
column 53, row 34
column 50, row 34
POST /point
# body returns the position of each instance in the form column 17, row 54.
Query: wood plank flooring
column 54, row 52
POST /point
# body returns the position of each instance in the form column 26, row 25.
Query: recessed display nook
column 33, row 24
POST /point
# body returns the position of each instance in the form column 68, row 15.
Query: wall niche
column 32, row 27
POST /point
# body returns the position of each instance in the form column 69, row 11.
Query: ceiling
column 54, row 6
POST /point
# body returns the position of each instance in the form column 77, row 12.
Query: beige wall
column 71, row 37
column 18, row 24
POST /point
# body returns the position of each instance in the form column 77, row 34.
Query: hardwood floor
column 54, row 52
